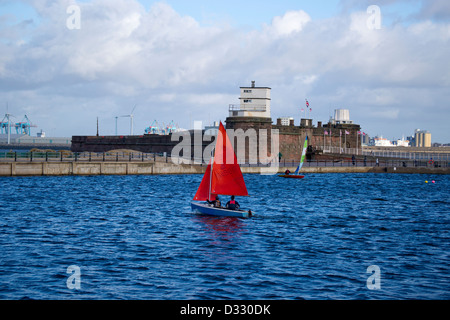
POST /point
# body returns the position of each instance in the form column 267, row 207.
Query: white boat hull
column 209, row 209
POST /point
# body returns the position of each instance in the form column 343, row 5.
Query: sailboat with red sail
column 223, row 176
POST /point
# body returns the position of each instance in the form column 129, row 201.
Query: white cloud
column 176, row 69
column 290, row 22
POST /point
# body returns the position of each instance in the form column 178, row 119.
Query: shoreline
column 77, row 168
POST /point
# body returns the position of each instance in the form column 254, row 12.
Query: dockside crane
column 153, row 129
column 172, row 127
column 24, row 127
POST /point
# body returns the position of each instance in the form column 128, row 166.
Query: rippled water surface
column 133, row 237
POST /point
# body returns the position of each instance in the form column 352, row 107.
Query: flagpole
column 357, row 134
column 361, row 141
column 345, row 141
column 331, row 144
column 307, row 107
column 324, row 140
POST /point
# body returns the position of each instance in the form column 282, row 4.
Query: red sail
column 203, row 190
column 227, row 177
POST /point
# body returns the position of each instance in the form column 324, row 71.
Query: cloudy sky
column 184, row 61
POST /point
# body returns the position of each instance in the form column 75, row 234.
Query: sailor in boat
column 216, row 202
column 287, row 172
column 232, row 204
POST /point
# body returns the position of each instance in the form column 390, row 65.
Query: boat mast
column 210, row 174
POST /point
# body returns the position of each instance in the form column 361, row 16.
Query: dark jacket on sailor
column 232, row 205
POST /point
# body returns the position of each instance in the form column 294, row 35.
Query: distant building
column 412, row 140
column 365, row 139
column 38, row 142
column 13, row 138
column 27, row 140
column 212, row 130
column 254, row 102
column 341, row 116
column 422, row 138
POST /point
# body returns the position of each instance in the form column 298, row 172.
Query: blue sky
column 17, row 11
column 185, row 61
column 249, row 13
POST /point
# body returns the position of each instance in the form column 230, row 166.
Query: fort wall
column 291, row 139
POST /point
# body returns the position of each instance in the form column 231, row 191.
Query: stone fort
column 253, row 114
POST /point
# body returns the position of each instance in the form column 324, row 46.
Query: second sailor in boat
column 232, row 204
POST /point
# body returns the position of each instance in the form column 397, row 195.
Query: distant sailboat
column 223, row 176
column 296, row 174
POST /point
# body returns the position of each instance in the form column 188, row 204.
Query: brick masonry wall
column 291, row 139
column 257, row 124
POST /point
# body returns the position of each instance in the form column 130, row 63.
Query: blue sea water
column 133, row 237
